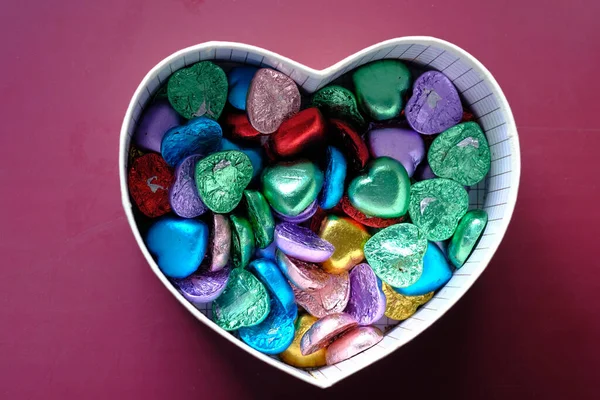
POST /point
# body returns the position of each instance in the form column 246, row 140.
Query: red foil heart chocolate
column 149, row 180
column 239, row 127
column 298, row 134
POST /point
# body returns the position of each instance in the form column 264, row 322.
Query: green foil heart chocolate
column 221, row 179
column 290, row 187
column 465, row 238
column 461, row 153
column 436, row 206
column 380, row 88
column 244, row 302
column 383, row 191
column 338, row 102
column 198, row 91
column 396, row 254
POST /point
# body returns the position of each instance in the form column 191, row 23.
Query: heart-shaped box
column 497, row 194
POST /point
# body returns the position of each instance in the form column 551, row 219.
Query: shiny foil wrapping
column 324, row 331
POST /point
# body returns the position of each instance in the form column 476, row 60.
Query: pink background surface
column 81, row 314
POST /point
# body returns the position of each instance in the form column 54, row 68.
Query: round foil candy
column 436, row 206
column 239, row 79
column 290, row 187
column 350, row 143
column 304, row 275
column 300, row 134
column 178, row 245
column 156, row 121
column 381, row 87
column 261, row 219
column 274, row 334
column 461, row 153
column 242, row 238
column 255, row 154
column 183, row 194
column 324, row 331
column 302, row 243
column 269, row 274
column 352, row 343
column 203, row 286
column 403, row 145
column 238, row 126
column 272, row 98
column 335, row 175
column 396, row 254
column 436, row 273
column 435, row 105
column 200, row 136
column 465, row 238
column 361, row 218
column 348, row 238
column 199, row 90
column 149, row 180
column 400, row 307
column 339, row 103
column 221, row 179
column 244, row 302
column 303, row 216
column 293, row 356
column 332, row 298
column 367, row 301
column 220, row 242
column 383, row 190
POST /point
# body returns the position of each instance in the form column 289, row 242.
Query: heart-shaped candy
column 400, row 307
column 178, row 245
column 383, row 191
column 221, row 179
column 244, row 302
column 380, row 88
column 290, row 187
column 183, row 194
column 367, row 301
column 436, row 273
column 396, row 254
column 434, row 105
column 340, row 103
column 299, row 134
column 200, row 90
column 199, row 136
column 239, row 79
column 203, row 286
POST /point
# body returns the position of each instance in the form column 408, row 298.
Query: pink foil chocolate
column 302, row 243
column 303, row 275
column 272, row 98
column 220, row 242
column 331, row 299
column 322, row 332
column 352, row 343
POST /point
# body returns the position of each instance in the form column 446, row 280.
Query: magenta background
column 81, row 314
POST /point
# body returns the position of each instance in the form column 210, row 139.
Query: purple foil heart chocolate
column 183, row 194
column 303, row 216
column 305, row 276
column 156, row 121
column 367, row 300
column 302, row 243
column 203, row 286
column 402, row 144
column 331, row 299
column 434, row 105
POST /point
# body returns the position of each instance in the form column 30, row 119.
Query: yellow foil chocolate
column 292, row 354
column 400, row 307
column 348, row 237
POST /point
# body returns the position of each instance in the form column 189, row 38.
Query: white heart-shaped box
column 497, row 195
